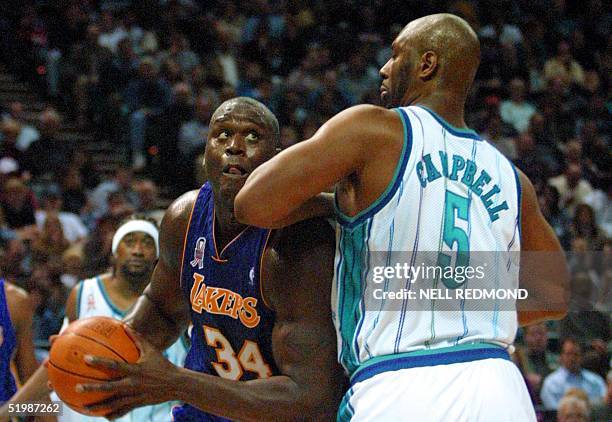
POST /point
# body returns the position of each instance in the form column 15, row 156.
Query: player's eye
column 223, row 135
column 252, row 137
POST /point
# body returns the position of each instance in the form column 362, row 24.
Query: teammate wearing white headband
column 135, row 249
column 133, row 226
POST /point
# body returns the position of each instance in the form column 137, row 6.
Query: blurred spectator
column 584, row 226
column 146, row 96
column 540, row 362
column 73, row 228
column 600, row 204
column 571, row 375
column 18, row 204
column 500, row 134
column 27, row 133
column 51, row 243
column 8, row 148
column 572, row 187
column 97, row 249
column 48, row 156
column 73, row 193
column 583, row 322
column 148, row 200
column 72, row 265
column 516, row 111
column 112, row 31
column 563, row 67
column 120, row 182
column 573, row 409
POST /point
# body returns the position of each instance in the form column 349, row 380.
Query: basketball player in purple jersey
column 263, row 343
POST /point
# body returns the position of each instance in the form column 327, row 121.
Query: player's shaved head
column 433, row 55
column 453, row 40
column 251, row 109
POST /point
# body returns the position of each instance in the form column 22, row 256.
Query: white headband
column 136, row 226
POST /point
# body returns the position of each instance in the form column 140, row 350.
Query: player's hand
column 142, row 383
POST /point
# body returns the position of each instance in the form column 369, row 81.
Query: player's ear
column 429, row 65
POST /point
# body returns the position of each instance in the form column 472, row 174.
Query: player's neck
column 447, row 105
column 226, row 227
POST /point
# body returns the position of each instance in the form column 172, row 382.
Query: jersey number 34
column 232, row 366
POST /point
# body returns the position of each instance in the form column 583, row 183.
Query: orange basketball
column 98, row 336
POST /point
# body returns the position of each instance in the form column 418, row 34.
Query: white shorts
column 478, row 391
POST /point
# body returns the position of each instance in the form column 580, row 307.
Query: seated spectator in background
column 146, row 96
column 51, row 243
column 27, row 133
column 543, row 132
column 573, row 409
column 18, row 204
column 516, row 111
column 148, row 200
column 72, row 265
column 500, row 134
column 571, row 375
column 583, row 322
column 572, row 188
column 120, row 182
column 8, row 146
column 74, row 197
column 73, row 228
column 527, row 158
column 47, row 157
column 585, row 226
column 599, row 201
column 97, row 249
column 563, row 67
column 539, row 361
column 548, row 199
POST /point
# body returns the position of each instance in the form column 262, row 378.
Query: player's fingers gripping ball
column 98, row 336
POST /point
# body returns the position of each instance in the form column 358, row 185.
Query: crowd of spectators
column 147, row 75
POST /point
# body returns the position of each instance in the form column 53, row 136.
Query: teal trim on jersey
column 457, row 131
column 519, row 197
column 429, row 357
column 393, row 185
column 107, row 298
column 79, row 294
column 346, row 411
column 351, row 292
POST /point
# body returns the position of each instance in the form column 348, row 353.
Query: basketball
column 98, row 336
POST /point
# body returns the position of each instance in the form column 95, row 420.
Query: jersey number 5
column 453, row 234
column 228, row 365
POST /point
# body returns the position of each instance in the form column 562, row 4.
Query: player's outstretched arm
column 344, row 145
column 544, row 271
column 297, row 278
column 161, row 314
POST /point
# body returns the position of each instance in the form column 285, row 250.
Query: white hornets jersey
column 93, row 300
column 433, row 263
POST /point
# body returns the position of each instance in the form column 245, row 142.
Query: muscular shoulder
column 18, row 301
column 174, row 226
column 368, row 120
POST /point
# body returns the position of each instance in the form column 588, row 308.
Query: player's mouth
column 234, row 170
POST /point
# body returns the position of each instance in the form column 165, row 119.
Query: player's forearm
column 148, row 321
column 34, row 390
column 247, row 400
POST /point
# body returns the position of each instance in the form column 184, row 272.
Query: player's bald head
column 250, row 109
column 453, row 41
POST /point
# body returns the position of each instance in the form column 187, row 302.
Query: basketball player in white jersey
column 135, row 249
column 416, row 179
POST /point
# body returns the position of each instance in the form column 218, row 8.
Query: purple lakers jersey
column 8, row 341
column 232, row 326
